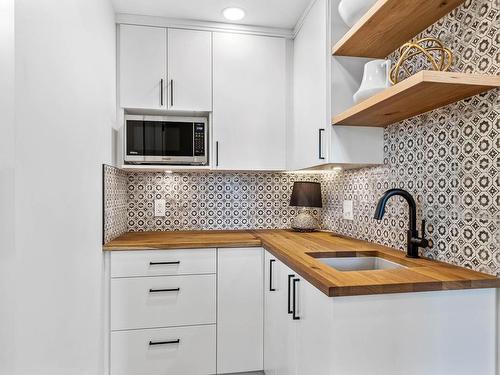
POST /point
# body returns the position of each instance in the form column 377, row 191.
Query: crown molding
column 132, row 19
column 302, row 19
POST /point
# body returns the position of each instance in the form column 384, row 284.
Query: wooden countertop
column 294, row 250
column 183, row 240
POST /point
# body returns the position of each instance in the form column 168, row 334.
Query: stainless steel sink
column 369, row 263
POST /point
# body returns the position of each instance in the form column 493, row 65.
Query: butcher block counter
column 300, row 251
column 183, row 240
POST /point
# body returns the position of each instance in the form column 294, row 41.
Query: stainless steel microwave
column 166, row 140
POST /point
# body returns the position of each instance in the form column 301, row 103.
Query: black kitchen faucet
column 413, row 240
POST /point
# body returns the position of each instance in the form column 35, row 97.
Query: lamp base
column 305, row 222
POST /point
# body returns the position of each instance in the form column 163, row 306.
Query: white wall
column 65, row 111
column 7, row 250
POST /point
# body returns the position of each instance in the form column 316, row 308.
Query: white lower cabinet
column 163, row 312
column 186, row 312
column 313, row 339
column 142, row 302
column 164, row 351
column 239, row 310
column 163, row 263
column 254, row 313
column 279, row 326
column 431, row 333
column 293, row 334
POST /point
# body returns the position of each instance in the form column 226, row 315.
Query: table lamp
column 305, row 195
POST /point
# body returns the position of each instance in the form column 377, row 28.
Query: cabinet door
column 249, row 102
column 189, row 70
column 288, row 363
column 143, row 65
column 275, row 316
column 309, row 138
column 162, row 301
column 279, row 326
column 163, row 262
column 240, row 310
column 178, row 351
column 312, row 337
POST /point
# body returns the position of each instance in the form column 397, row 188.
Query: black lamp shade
column 306, row 194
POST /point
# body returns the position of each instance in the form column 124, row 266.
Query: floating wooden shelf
column 389, row 24
column 420, row 93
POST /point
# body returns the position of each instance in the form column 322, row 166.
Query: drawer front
column 162, row 262
column 162, row 301
column 194, row 354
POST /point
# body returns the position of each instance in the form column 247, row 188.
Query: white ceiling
column 268, row 13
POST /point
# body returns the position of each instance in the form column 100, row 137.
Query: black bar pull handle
column 164, row 290
column 152, row 343
column 171, row 92
column 290, row 277
column 320, row 144
column 217, row 153
column 164, row 263
column 161, row 92
column 271, row 288
column 294, row 302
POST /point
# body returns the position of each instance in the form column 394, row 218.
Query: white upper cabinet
column 153, row 76
column 311, row 111
column 249, row 102
column 142, row 66
column 189, row 70
column 323, row 86
column 271, row 103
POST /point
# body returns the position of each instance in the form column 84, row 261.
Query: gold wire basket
column 428, row 48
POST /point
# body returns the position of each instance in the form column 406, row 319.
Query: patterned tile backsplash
column 449, row 159
column 212, row 200
column 114, row 202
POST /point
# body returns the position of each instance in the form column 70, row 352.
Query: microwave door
column 135, row 141
column 153, row 140
column 178, row 142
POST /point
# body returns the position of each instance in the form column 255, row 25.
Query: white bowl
column 352, row 10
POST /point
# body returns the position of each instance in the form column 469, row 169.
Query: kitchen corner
column 295, row 293
column 224, row 187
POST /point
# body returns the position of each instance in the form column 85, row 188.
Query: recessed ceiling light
column 233, row 14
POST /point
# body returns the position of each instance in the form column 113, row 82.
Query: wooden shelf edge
column 481, row 81
column 460, row 78
column 377, row 24
column 358, row 25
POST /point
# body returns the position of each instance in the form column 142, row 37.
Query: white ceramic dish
column 352, row 10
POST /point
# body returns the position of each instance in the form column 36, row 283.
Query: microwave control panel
column 199, row 139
